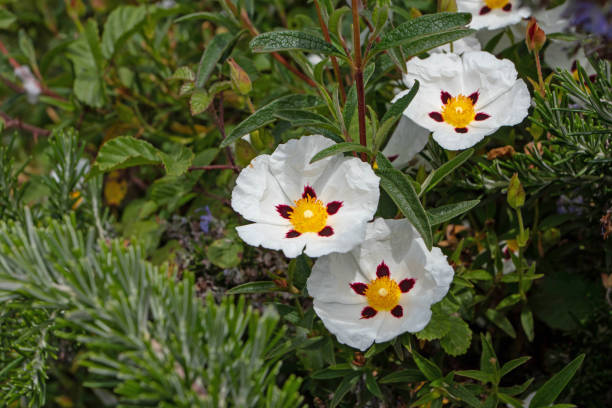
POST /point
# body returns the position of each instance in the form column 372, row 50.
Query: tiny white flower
column 323, row 206
column 30, row 83
column 463, row 99
column 382, row 288
column 493, row 14
column 407, row 140
column 460, row 46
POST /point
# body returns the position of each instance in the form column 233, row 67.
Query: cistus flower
column 492, row 14
column 462, row 99
column 407, row 140
column 459, row 47
column 382, row 288
column 323, row 206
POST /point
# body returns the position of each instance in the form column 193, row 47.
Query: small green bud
column 516, row 193
column 240, row 80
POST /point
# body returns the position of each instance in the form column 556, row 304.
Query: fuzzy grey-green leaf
column 292, row 40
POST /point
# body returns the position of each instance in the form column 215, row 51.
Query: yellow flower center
column 458, row 111
column 493, row 4
column 383, row 293
column 308, row 215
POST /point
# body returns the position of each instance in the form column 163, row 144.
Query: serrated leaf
column 178, row 163
column 292, row 40
column 457, row 340
column 199, row 101
column 426, row 32
column 120, row 24
column 409, row 375
column 401, row 191
column 340, row 148
column 428, row 368
column 265, row 115
column 437, row 327
column 183, row 73
column 253, row 287
column 218, row 46
column 551, row 389
column 444, row 170
column 440, row 215
column 126, row 151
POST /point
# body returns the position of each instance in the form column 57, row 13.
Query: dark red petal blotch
column 474, row 97
column 484, row 10
column 406, row 284
column 445, row 96
column 309, row 191
column 359, row 288
column 292, row 234
column 481, row 116
column 326, row 232
column 437, row 116
column 284, row 210
column 368, row 312
column 461, row 130
column 382, row 270
column 507, row 7
column 397, row 311
column 333, row 207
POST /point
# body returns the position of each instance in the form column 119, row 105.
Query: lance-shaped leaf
column 292, row 40
column 340, row 148
column 396, row 184
column 548, row 393
column 265, row 115
column 438, row 174
column 424, row 33
column 217, row 47
column 447, row 212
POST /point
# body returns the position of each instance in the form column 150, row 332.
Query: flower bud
column 516, row 193
column 240, row 80
column 535, row 37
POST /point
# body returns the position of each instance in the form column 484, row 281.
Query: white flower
column 30, row 84
column 566, row 55
column 323, row 206
column 407, row 140
column 463, row 99
column 460, row 46
column 508, row 249
column 493, row 14
column 382, row 288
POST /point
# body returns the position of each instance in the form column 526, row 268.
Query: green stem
column 358, row 77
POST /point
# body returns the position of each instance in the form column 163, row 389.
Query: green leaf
column 292, row 40
column 345, row 386
column 122, row 22
column 527, row 322
column 437, row 327
column 86, row 56
column 200, row 101
column 183, row 73
column 476, row 375
column 501, row 321
column 477, row 274
column 440, row 215
column 512, row 364
column 424, row 33
column 126, row 151
column 461, row 393
column 341, row 370
column 244, row 153
column 409, row 375
column 516, row 389
column 401, row 191
column 508, row 301
column 398, row 107
column 516, row 193
column 457, row 340
column 6, row 18
column 372, row 385
column 301, row 272
column 253, row 287
column 488, row 360
column 340, row 148
column 177, row 164
column 217, row 47
column 551, row 389
column 428, row 368
column 265, row 115
column 26, row 46
column 438, row 174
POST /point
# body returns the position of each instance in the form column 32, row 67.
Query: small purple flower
column 206, row 219
column 592, row 17
column 566, row 205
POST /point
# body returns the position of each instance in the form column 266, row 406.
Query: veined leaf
column 438, row 174
column 217, row 47
column 458, row 339
column 426, row 32
column 292, row 40
column 429, row 369
column 126, row 151
column 399, row 106
column 551, row 389
column 121, row 23
column 440, row 215
column 401, row 191
column 340, row 148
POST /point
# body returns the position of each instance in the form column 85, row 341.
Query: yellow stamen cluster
column 383, row 293
column 493, row 4
column 308, row 215
column 458, row 111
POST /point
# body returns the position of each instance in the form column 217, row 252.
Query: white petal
column 417, row 313
column 332, row 287
column 272, row 237
column 441, row 69
column 509, row 108
column 451, row 140
column 487, row 74
column 345, row 322
column 290, row 164
column 496, row 18
column 257, row 193
column 460, row 46
column 348, row 232
column 407, row 140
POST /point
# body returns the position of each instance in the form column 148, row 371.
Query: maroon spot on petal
column 368, row 312
column 359, row 288
column 484, row 10
column 474, row 97
column 326, row 232
column 445, row 96
column 397, row 311
column 406, row 284
column 574, row 66
column 284, row 210
column 333, row 207
column 481, row 116
column 292, row 234
column 382, row 270
column 393, row 157
column 309, row 191
column 461, row 130
column 506, row 253
column 507, row 7
column 593, row 77
column 437, row 116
